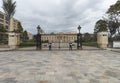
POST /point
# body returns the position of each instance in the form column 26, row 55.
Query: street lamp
column 59, row 40
column 38, row 29
column 38, row 38
column 79, row 28
column 79, row 38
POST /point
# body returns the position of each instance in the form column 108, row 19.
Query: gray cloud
column 60, row 15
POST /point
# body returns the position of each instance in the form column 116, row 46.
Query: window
column 6, row 18
column 11, row 35
column 6, row 27
column 104, row 35
column 7, row 22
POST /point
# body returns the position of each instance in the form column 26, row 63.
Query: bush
column 90, row 44
column 27, row 44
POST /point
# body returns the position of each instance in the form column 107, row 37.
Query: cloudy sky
column 60, row 15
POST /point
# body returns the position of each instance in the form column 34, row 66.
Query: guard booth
column 102, row 40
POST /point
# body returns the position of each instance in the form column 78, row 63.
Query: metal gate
column 59, row 40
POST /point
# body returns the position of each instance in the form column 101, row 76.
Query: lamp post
column 38, row 29
column 59, row 41
column 38, row 38
column 79, row 38
column 79, row 28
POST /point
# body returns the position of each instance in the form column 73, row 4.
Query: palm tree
column 9, row 9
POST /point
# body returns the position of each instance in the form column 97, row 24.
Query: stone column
column 13, row 40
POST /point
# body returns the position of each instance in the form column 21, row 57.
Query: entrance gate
column 61, row 40
column 58, row 41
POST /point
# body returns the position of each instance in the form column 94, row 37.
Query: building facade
column 60, row 38
column 4, row 22
column 30, row 36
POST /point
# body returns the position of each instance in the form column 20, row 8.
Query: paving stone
column 97, row 66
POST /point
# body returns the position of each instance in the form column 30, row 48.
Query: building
column 4, row 22
column 60, row 37
column 30, row 36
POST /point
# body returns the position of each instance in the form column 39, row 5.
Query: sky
column 60, row 15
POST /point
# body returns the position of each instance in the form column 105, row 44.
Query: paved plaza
column 94, row 66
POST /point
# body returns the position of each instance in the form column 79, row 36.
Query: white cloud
column 60, row 15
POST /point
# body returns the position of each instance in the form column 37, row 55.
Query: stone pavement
column 4, row 49
column 57, row 49
column 98, row 66
column 114, row 49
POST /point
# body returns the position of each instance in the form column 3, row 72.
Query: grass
column 32, row 43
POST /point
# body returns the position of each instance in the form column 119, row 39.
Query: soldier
column 50, row 46
column 70, row 46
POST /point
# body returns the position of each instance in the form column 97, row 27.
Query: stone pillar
column 13, row 40
column 102, row 39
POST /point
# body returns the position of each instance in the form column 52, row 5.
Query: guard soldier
column 50, row 46
column 70, row 46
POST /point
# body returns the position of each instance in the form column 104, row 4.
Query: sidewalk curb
column 114, row 50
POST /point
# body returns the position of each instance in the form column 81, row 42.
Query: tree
column 52, row 33
column 25, row 36
column 114, row 18
column 87, row 38
column 9, row 9
column 101, row 25
column 20, row 28
column 2, row 29
column 113, row 21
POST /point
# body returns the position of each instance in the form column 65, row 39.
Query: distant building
column 60, row 37
column 30, row 35
column 4, row 22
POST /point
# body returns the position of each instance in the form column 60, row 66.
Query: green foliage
column 88, row 38
column 114, row 9
column 101, row 25
column 24, row 36
column 114, row 18
column 52, row 33
column 2, row 29
column 20, row 28
column 27, row 44
column 94, row 44
column 9, row 7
